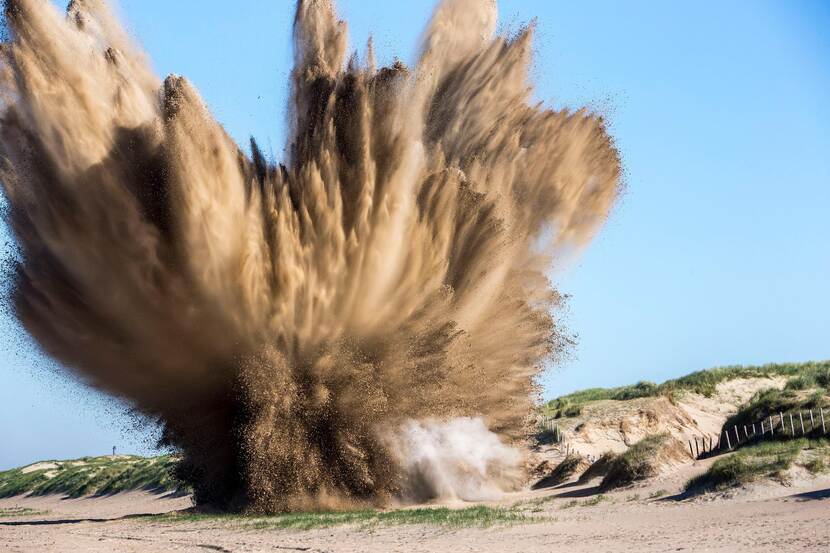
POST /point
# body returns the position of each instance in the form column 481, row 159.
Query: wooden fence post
column 812, row 421
column 801, row 419
column 771, row 431
column 746, row 434
column 728, row 443
column 823, row 430
column 737, row 436
column 697, row 449
column 792, row 426
column 753, row 429
column 691, row 451
column 783, row 428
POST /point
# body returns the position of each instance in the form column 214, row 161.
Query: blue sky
column 718, row 253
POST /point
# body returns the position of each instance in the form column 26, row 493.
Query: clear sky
column 718, row 253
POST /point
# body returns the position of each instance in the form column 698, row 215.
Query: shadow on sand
column 60, row 521
column 579, row 492
column 815, row 495
column 811, row 496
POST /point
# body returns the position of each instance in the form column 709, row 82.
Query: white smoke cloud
column 454, row 459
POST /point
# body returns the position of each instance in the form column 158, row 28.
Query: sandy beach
column 649, row 518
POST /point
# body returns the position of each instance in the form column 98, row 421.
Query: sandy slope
column 773, row 519
column 615, row 425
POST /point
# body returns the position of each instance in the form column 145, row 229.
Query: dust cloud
column 281, row 321
column 454, row 459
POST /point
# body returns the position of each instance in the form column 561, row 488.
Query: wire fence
column 773, row 426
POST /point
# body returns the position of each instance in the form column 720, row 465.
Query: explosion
column 297, row 329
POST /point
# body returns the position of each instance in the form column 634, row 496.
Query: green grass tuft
column 596, row 500
column 20, row 512
column 635, row 464
column 764, row 460
column 816, row 465
column 479, row 516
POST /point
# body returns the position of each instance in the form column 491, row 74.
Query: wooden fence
column 549, row 425
column 774, row 426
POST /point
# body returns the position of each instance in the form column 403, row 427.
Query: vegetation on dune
column 789, row 401
column 814, row 375
column 763, row 460
column 562, row 472
column 91, row 476
column 816, row 465
column 639, row 462
column 571, row 405
column 600, row 467
column 479, row 516
column 804, row 375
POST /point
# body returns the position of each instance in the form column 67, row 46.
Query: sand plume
column 285, row 322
